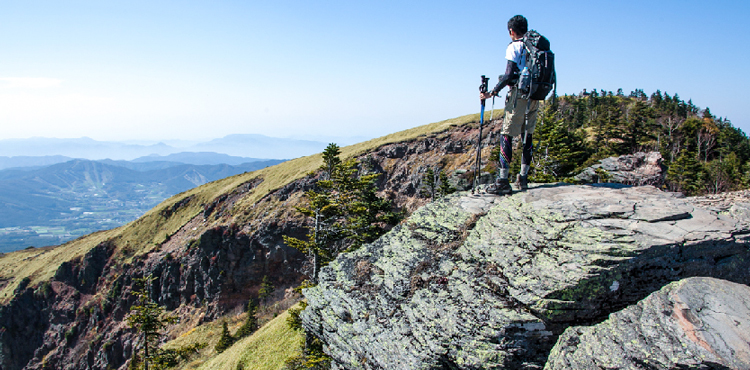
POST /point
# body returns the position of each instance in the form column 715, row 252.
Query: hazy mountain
column 199, row 158
column 261, row 146
column 249, row 146
column 57, row 203
column 31, row 161
column 79, row 148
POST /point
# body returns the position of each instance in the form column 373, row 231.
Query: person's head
column 517, row 26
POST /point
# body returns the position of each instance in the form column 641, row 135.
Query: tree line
column 703, row 153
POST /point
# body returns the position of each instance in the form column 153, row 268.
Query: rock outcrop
column 696, row 323
column 633, row 169
column 472, row 282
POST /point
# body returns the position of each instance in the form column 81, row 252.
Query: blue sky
column 197, row 70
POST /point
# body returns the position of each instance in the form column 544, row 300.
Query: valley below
column 55, row 204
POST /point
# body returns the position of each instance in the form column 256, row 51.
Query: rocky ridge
column 215, row 258
column 473, row 282
column 212, row 264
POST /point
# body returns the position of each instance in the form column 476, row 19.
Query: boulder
column 696, row 323
column 633, row 169
column 471, row 282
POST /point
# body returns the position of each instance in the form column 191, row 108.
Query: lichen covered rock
column 631, row 169
column 696, row 323
column 490, row 282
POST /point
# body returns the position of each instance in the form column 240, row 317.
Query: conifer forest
column 704, row 154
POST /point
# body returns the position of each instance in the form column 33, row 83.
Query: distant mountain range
column 251, row 145
column 47, row 205
column 54, row 190
column 153, row 161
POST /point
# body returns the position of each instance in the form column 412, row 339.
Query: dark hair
column 518, row 24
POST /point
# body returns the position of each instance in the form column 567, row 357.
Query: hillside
column 209, row 247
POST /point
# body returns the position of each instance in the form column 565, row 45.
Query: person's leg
column 512, row 121
column 505, row 156
column 528, row 149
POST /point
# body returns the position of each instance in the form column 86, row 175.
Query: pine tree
column 559, row 151
column 148, row 318
column 685, row 174
column 331, row 160
column 637, row 128
column 445, row 186
column 436, row 184
column 251, row 322
column 347, row 213
column 324, row 212
column 266, row 289
column 345, row 209
column 366, row 216
column 226, row 339
column 429, row 183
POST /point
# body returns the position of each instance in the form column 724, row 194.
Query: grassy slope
column 142, row 235
column 267, row 348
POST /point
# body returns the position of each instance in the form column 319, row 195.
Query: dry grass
column 153, row 228
column 40, row 264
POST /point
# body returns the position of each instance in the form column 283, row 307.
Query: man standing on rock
column 515, row 107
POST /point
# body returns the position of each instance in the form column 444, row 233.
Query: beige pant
column 514, row 114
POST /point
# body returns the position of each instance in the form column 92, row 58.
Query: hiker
column 515, row 109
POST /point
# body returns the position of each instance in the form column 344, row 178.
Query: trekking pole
column 482, row 89
column 492, row 109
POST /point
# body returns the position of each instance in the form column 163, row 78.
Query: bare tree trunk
column 313, row 252
column 145, row 352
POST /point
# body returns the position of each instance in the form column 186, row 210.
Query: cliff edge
column 470, row 282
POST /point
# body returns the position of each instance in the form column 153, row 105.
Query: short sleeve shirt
column 516, row 53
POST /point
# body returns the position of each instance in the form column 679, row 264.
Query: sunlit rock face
column 695, row 323
column 470, row 282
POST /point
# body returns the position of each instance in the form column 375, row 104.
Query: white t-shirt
column 516, row 53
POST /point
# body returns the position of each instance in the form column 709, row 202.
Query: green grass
column 267, row 349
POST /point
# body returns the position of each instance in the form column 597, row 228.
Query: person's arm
column 510, row 77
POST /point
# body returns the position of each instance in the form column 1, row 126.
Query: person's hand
column 485, row 96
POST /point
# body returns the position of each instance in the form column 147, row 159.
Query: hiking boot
column 522, row 182
column 500, row 187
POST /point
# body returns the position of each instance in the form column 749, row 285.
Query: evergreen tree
column 732, row 140
column 331, row 160
column 445, row 186
column 345, row 209
column 366, row 215
column 251, row 322
column 436, row 184
column 148, row 318
column 685, row 174
column 637, row 128
column 226, row 339
column 429, row 184
column 324, row 212
column 266, row 289
column 721, row 174
column 559, row 151
column 347, row 212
